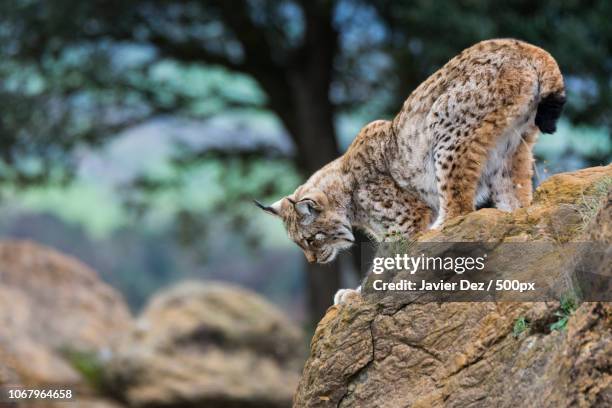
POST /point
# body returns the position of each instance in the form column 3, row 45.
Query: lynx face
column 319, row 230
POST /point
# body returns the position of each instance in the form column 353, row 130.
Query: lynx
column 462, row 138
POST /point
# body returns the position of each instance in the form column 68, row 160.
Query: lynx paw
column 343, row 295
column 437, row 223
column 507, row 203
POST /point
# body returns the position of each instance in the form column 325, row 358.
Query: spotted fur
column 462, row 138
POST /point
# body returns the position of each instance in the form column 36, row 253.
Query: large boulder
column 52, row 307
column 391, row 352
column 209, row 345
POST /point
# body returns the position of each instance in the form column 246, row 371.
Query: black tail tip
column 549, row 111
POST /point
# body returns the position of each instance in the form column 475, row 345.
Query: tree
column 294, row 68
column 312, row 59
column 424, row 34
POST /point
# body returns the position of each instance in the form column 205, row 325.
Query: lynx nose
column 310, row 257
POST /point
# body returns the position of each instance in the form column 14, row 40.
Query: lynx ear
column 306, row 207
column 273, row 209
column 311, row 203
column 310, row 206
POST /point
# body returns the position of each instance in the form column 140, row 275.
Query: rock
column 210, row 345
column 79, row 402
column 385, row 352
column 562, row 208
column 595, row 267
column 52, row 305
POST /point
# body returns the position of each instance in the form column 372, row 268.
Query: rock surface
column 52, row 305
column 372, row 352
column 209, row 345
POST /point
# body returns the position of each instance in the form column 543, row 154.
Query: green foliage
column 209, row 193
column 520, row 325
column 568, row 305
column 561, row 323
column 88, row 365
column 77, row 72
column 426, row 33
column 573, row 147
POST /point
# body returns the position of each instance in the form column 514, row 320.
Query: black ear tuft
column 266, row 208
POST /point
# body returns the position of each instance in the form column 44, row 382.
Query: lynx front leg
column 343, row 295
column 389, row 212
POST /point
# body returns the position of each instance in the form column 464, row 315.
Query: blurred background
column 134, row 134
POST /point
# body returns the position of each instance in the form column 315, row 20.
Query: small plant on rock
column 520, row 326
column 568, row 305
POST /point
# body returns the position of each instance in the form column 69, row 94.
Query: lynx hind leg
column 522, row 167
column 460, row 158
column 497, row 176
column 460, row 165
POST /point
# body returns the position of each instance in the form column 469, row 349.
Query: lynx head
column 313, row 224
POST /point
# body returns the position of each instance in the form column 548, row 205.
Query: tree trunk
column 299, row 94
column 323, row 281
column 316, row 145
